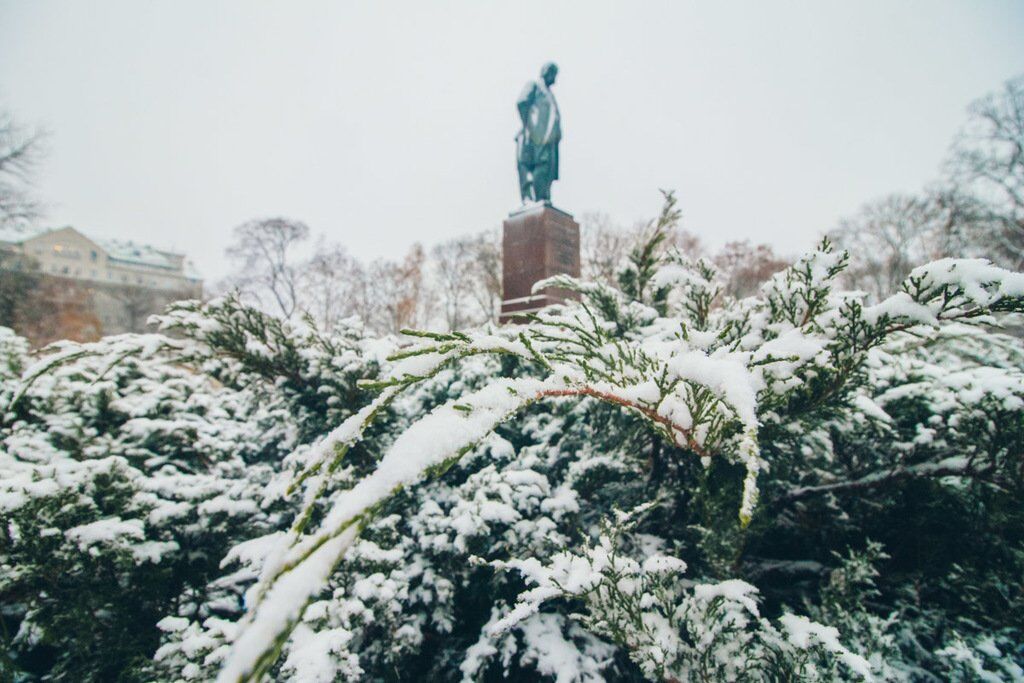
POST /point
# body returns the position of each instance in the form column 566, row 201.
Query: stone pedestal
column 538, row 241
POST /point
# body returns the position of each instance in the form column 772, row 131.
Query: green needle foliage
column 822, row 488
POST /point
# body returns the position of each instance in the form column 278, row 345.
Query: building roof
column 125, row 251
column 140, row 254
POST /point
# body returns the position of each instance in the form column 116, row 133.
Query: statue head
column 548, row 72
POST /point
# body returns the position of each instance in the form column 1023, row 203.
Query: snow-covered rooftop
column 142, row 254
column 125, row 251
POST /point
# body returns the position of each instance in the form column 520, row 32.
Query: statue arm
column 525, row 101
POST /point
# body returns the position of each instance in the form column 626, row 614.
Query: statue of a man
column 537, row 142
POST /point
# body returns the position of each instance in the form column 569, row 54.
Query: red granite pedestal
column 539, row 241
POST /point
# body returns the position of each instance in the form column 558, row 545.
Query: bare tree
column 888, row 237
column 468, row 273
column 603, row 246
column 20, row 153
column 453, row 263
column 744, row 267
column 264, row 251
column 988, row 162
column 686, row 242
column 399, row 295
column 487, row 268
column 333, row 285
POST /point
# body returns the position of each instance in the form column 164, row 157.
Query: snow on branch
column 672, row 630
column 704, row 379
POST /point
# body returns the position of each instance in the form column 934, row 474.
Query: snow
column 429, row 442
column 477, row 655
column 106, row 531
column 970, row 274
column 867, row 406
column 901, row 306
column 727, row 377
column 141, row 254
column 311, row 659
column 554, row 655
column 801, row 631
column 153, row 551
column 426, row 444
column 678, row 274
column 253, row 551
column 663, row 564
column 283, row 605
column 564, row 500
column 734, row 590
column 173, row 624
column 228, row 506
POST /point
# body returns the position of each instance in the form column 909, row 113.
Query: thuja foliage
column 130, row 467
column 653, row 483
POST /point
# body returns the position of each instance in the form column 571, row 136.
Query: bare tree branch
column 988, row 163
column 21, row 151
column 264, row 250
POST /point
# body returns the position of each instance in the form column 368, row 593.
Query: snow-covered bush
column 842, row 481
column 699, row 632
column 128, row 468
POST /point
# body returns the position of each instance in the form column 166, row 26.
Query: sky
column 380, row 124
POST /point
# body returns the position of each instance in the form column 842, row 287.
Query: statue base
column 538, row 241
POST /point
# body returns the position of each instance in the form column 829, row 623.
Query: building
column 115, row 284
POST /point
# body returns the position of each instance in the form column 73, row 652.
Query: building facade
column 119, row 283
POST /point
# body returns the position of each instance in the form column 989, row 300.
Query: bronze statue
column 537, row 142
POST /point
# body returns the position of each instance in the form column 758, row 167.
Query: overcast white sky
column 383, row 123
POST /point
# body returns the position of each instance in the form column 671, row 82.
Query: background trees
column 399, row 294
column 455, row 284
column 975, row 207
column 886, row 238
column 745, row 267
column 603, row 246
column 987, row 164
column 265, row 253
column 21, row 150
column 333, row 285
column 468, row 271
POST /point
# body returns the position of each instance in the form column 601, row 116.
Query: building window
column 64, row 251
column 93, row 255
